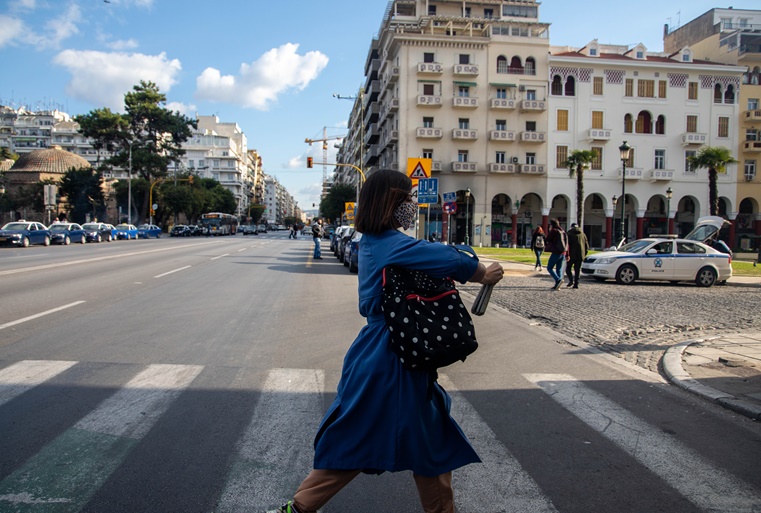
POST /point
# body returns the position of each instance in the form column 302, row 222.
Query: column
column 732, row 229
column 608, row 228
column 514, row 219
column 640, row 224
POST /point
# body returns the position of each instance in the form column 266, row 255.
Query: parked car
column 337, row 235
column 341, row 244
column 98, row 232
column 66, row 233
column 662, row 259
column 250, row 229
column 262, row 228
column 180, row 230
column 125, row 231
column 196, row 230
column 146, row 231
column 24, row 233
column 351, row 257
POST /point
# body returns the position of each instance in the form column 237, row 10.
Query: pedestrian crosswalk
column 273, row 450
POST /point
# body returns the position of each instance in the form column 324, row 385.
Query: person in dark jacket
column 557, row 244
column 578, row 247
column 537, row 246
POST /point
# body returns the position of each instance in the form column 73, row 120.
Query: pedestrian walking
column 537, row 246
column 578, row 247
column 317, row 233
column 386, row 418
column 557, row 245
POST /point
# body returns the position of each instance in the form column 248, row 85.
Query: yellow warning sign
column 419, row 168
column 349, row 209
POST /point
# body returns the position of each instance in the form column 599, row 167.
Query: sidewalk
column 724, row 369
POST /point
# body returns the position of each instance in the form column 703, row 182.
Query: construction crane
column 324, row 141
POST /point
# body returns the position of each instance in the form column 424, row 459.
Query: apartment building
column 278, row 203
column 665, row 106
column 733, row 36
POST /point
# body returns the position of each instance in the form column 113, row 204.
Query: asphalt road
column 189, row 375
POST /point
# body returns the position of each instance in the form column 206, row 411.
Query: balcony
column 531, row 169
column 502, row 168
column 660, row 175
column 752, row 116
column 466, row 69
column 599, row 134
column 465, row 134
column 691, row 138
column 535, row 137
column 465, row 101
column 501, row 103
column 430, row 68
column 464, row 167
column 502, row 135
column 754, row 146
column 632, row 173
column 425, row 100
column 429, row 133
column 533, row 105
column 393, row 104
column 392, row 75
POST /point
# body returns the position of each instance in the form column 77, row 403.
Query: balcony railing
column 430, row 67
column 464, row 101
column 502, row 135
column 502, row 168
column 465, row 69
column 501, row 103
column 692, row 138
column 533, row 105
column 429, row 133
column 464, row 167
column 657, row 175
column 465, row 133
column 599, row 134
column 632, row 173
column 753, row 115
column 753, row 146
column 516, row 71
column 531, row 169
column 537, row 137
column 425, row 100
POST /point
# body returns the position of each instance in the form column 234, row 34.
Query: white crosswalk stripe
column 707, row 486
column 22, row 376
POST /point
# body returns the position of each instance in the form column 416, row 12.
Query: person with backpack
column 537, row 246
column 557, row 245
column 578, row 247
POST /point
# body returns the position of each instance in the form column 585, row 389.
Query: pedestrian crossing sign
column 418, row 168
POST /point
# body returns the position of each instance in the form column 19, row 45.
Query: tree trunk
column 580, row 197
column 713, row 191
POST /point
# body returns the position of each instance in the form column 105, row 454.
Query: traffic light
column 190, row 179
column 309, row 162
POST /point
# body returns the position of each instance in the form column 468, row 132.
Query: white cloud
column 259, row 84
column 136, row 3
column 23, row 5
column 296, row 162
column 53, row 33
column 188, row 110
column 10, row 29
column 102, row 78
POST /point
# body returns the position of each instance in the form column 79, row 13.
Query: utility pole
column 324, row 141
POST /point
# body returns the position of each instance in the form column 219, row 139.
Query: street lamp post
column 624, row 149
column 129, row 187
column 467, row 216
column 669, row 194
column 614, row 201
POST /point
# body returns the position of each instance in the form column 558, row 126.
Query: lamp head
column 669, row 193
column 624, row 149
column 614, row 200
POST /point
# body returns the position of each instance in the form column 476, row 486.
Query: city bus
column 217, row 223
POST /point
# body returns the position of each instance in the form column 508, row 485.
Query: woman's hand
column 494, row 273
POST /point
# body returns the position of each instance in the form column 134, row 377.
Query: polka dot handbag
column 429, row 325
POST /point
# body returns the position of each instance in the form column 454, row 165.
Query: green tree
column 255, row 212
column 6, row 154
column 83, row 190
column 577, row 161
column 147, row 138
column 715, row 159
column 334, row 203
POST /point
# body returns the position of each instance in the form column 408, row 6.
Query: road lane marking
column 67, row 472
column 500, row 479
column 25, row 375
column 242, row 249
column 697, row 479
column 275, row 452
column 174, row 271
column 41, row 314
column 221, row 256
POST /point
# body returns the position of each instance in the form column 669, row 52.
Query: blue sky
column 270, row 67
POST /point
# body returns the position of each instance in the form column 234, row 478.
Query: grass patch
column 526, row 256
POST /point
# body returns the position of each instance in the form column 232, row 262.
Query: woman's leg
column 319, row 487
column 552, row 264
column 436, row 493
column 538, row 254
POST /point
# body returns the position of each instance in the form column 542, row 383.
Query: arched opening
column 462, row 231
column 516, row 67
column 685, row 216
column 530, row 66
column 594, row 220
column 660, row 125
column 729, row 94
column 556, row 89
column 644, row 123
column 501, row 232
column 570, row 86
column 745, row 232
column 717, row 95
column 628, row 124
column 501, row 64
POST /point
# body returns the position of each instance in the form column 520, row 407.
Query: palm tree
column 577, row 161
column 715, row 159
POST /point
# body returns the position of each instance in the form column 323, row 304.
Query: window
column 692, row 124
column 499, row 157
column 750, row 170
column 723, row 126
column 646, row 88
column 462, row 155
column 660, row 125
column 428, row 153
column 597, row 86
column 751, row 134
column 597, row 119
column 191, row 163
column 644, row 124
column 596, row 163
column 689, row 248
column 593, row 52
column 729, row 95
column 556, row 89
column 501, row 124
column 502, row 93
column 752, row 103
column 640, row 54
column 726, row 23
column 659, row 162
column 688, row 167
column 501, row 64
column 463, row 123
column 570, row 86
column 431, row 10
column 530, row 158
column 717, row 96
column 628, row 123
column 488, row 13
column 463, row 91
column 630, row 162
column 530, row 126
column 428, row 89
column 629, row 87
column 692, row 90
column 561, row 156
column 428, row 122
column 428, row 57
column 531, row 94
column 466, row 14
column 685, row 57
column 661, row 89
column 464, row 58
column 562, row 120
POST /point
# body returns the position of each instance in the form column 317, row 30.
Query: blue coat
column 384, row 418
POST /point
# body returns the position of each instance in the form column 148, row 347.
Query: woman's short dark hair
column 383, row 191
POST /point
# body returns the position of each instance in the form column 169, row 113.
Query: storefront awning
column 466, row 84
column 502, row 85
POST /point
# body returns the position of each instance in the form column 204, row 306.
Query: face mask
column 405, row 214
